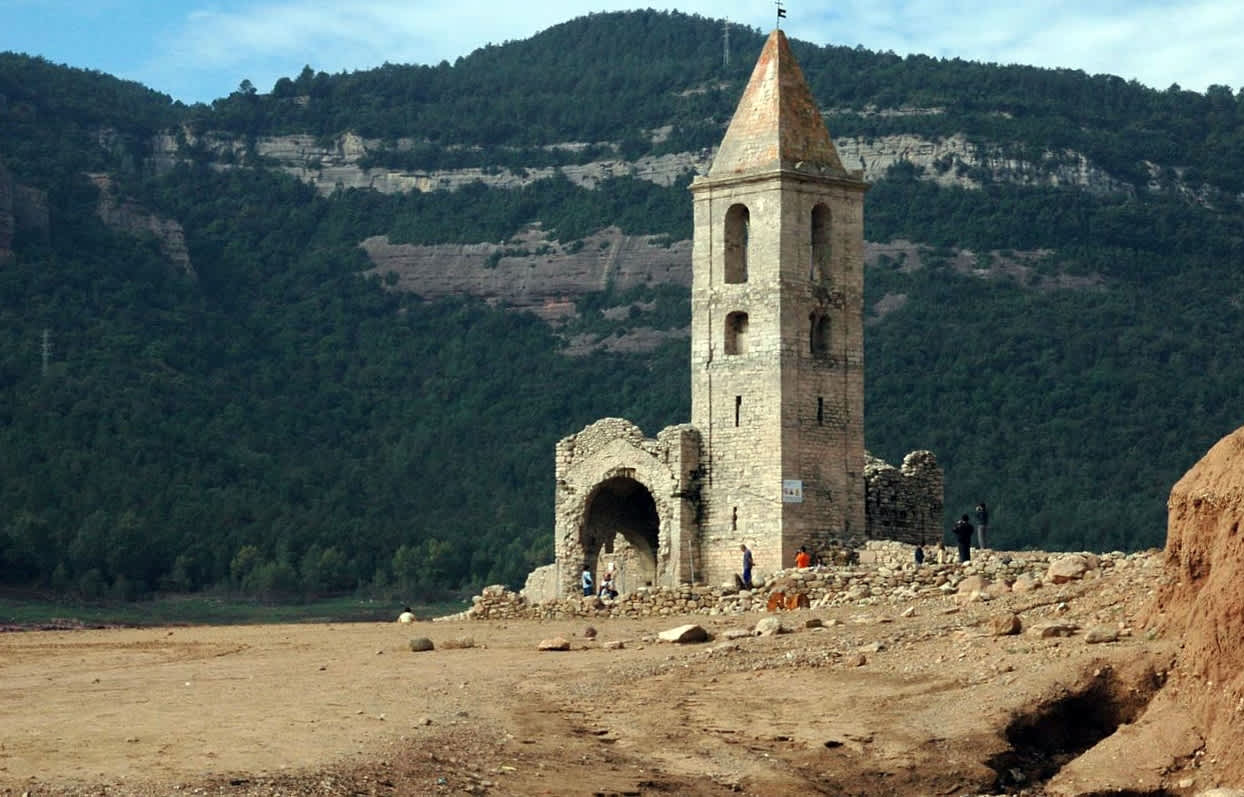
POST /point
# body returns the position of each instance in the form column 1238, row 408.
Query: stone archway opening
column 621, row 526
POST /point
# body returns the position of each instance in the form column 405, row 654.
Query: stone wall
column 886, row 575
column 906, row 503
column 541, row 584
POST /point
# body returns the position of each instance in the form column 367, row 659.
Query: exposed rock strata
column 132, row 218
column 334, row 165
column 532, row 272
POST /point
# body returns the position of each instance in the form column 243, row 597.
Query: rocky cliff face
column 949, row 161
column 537, row 274
column 532, row 272
column 132, row 218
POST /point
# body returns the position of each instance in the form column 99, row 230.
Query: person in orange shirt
column 803, row 558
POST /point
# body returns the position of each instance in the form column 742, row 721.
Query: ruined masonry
column 774, row 455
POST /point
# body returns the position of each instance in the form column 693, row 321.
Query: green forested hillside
column 282, row 425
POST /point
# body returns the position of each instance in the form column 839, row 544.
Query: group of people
column 803, row 559
column 608, row 585
column 963, row 531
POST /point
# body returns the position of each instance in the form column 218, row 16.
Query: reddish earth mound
column 1202, row 599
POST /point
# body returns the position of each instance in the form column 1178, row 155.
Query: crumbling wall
column 904, row 504
column 886, row 575
column 667, row 467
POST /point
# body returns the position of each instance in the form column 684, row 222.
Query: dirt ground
column 873, row 702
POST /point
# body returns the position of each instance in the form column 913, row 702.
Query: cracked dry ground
column 873, row 703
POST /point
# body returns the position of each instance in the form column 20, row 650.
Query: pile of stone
column 886, row 574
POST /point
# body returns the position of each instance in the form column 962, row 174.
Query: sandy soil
column 873, row 703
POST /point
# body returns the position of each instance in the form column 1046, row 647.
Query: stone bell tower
column 777, row 342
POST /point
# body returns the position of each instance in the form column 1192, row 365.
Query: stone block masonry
column 886, row 575
column 905, row 504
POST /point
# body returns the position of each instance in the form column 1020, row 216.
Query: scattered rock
column 1025, row 583
column 1067, row 568
column 770, row 626
column 1101, row 633
column 684, row 634
column 737, row 633
column 856, row 660
column 910, row 611
column 458, row 643
column 615, row 644
column 813, row 622
column 421, row 643
column 971, row 584
column 1004, row 624
column 589, row 632
column 555, row 643
column 996, row 589
column 1047, row 630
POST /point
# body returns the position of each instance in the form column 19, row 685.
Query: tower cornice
column 852, row 181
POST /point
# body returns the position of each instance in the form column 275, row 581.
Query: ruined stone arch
column 737, row 234
column 621, row 524
column 626, row 498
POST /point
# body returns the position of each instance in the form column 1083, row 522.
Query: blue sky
column 198, row 50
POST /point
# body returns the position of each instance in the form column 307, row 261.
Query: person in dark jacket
column 982, row 523
column 963, row 534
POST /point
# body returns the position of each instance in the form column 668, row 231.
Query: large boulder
column 684, row 634
column 770, row 626
column 1201, row 602
column 1068, row 568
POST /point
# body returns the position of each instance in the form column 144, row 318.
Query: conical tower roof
column 776, row 123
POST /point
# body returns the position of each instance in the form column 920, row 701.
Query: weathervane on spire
column 781, row 13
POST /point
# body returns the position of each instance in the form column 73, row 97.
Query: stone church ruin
column 774, row 455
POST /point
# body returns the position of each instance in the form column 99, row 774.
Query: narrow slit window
column 820, row 410
column 820, row 243
column 734, row 519
column 738, row 409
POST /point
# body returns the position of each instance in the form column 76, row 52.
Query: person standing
column 803, row 558
column 585, row 581
column 982, row 523
column 747, row 566
column 963, row 534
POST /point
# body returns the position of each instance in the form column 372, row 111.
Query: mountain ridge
column 297, row 419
